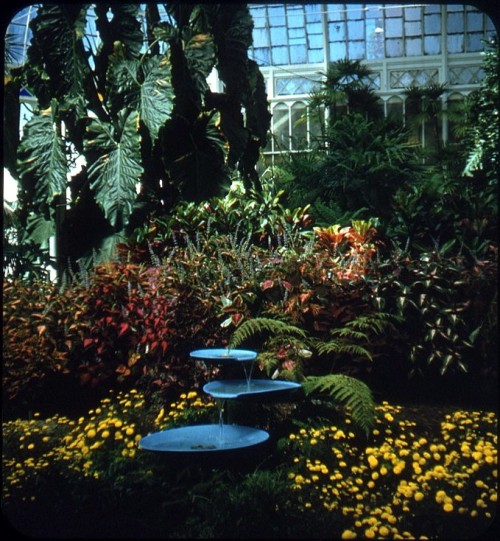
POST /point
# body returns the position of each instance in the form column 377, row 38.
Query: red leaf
column 164, row 345
column 267, row 284
column 287, row 285
column 236, row 318
column 87, row 342
column 123, row 328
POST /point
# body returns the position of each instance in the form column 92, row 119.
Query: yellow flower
column 383, row 531
column 191, row 395
column 348, row 534
column 418, row 496
column 448, row 507
column 105, row 434
column 372, row 461
column 91, row 433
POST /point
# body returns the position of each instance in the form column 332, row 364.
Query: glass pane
column 313, row 13
column 315, row 28
column 354, row 11
column 260, row 37
column 280, row 55
column 432, row 24
column 262, row 56
column 413, row 29
column 395, row 110
column 315, row 56
column 374, row 40
column 355, row 30
column 455, row 43
column 394, row 28
column 334, row 12
column 372, row 12
column 338, row 51
column 474, row 22
column 432, row 9
column 295, row 17
column 276, row 15
column 412, row 14
column 394, row 47
column 299, row 126
column 455, row 7
column 432, row 45
column 393, row 12
column 316, row 120
column 336, row 31
column 455, row 22
column 356, row 50
column 475, row 42
column 280, row 126
column 297, row 33
column 315, row 41
column 413, row 47
column 259, row 16
column 278, row 36
column 298, row 54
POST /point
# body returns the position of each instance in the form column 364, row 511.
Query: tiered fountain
column 220, row 436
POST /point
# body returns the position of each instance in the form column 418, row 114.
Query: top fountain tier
column 224, row 355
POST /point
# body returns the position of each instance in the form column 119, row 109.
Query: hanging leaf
column 42, row 163
column 117, row 170
column 156, row 94
column 57, row 65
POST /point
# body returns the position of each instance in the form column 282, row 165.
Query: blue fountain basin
column 223, row 355
column 239, row 388
column 203, row 439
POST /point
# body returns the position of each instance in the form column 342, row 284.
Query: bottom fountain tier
column 203, row 439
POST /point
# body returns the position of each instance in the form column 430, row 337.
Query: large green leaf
column 144, row 86
column 200, row 58
column 117, row 169
column 156, row 94
column 57, row 65
column 42, row 164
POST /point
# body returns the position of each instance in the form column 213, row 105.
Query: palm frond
column 348, row 391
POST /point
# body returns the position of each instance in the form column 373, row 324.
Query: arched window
column 394, row 109
column 454, row 115
column 299, row 126
column 281, row 127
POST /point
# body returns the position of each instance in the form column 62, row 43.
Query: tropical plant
column 361, row 159
column 133, row 109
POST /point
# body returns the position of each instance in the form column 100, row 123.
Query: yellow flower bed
column 382, row 485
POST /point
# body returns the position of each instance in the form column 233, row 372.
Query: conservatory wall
column 404, row 45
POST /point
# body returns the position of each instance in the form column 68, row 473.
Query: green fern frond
column 347, row 332
column 376, row 323
column 251, row 327
column 337, row 346
column 348, row 391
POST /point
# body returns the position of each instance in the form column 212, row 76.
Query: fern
column 376, row 323
column 338, row 346
column 348, row 391
column 250, row 327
